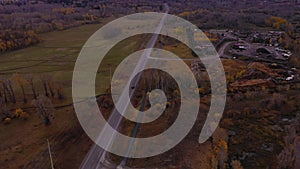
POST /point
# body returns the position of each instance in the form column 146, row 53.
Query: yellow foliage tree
column 24, row 115
column 2, row 46
column 18, row 112
column 276, row 22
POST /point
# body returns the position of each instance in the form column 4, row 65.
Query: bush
column 18, row 113
column 24, row 116
column 7, row 120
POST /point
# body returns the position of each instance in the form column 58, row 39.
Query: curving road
column 220, row 53
column 223, row 47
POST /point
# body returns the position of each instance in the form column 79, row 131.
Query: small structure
column 290, row 78
column 239, row 46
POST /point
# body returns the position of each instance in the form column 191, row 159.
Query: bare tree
column 3, row 86
column 223, row 155
column 29, row 78
column 277, row 101
column 8, row 90
column 20, row 80
column 44, row 108
column 50, row 84
column 4, row 112
column 1, row 95
column 286, row 159
column 12, row 93
column 291, row 135
column 60, row 90
column 45, row 79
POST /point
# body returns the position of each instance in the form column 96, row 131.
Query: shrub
column 44, row 108
column 7, row 120
column 24, row 116
column 18, row 113
column 236, row 164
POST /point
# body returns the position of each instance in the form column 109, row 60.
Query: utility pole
column 51, row 161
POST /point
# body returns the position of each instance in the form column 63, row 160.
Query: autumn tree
column 276, row 22
column 220, row 147
column 20, row 80
column 19, row 113
column 235, row 164
column 11, row 40
column 65, row 11
column 44, row 108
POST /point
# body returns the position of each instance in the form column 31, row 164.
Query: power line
column 51, row 161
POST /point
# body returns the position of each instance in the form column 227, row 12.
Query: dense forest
column 21, row 17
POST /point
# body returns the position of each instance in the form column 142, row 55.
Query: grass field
column 23, row 143
column 57, row 54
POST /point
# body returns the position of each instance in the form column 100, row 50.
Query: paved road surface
column 96, row 157
column 223, row 47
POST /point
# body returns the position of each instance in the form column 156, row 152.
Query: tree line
column 11, row 40
column 51, row 88
column 27, row 84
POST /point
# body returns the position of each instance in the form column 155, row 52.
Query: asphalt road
column 96, row 157
column 223, row 47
